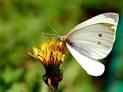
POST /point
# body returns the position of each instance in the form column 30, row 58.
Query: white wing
column 95, row 37
column 91, row 66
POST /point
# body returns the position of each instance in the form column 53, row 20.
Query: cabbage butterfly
column 88, row 42
column 91, row 41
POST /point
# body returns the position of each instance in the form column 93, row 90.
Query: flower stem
column 51, row 89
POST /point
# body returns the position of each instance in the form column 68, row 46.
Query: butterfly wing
column 95, row 37
column 92, row 67
column 93, row 40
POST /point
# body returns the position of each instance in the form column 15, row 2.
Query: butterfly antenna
column 44, row 34
column 47, row 34
column 56, row 33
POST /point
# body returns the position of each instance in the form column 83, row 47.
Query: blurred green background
column 21, row 25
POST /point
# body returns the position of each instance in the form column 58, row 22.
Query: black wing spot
column 98, row 42
column 100, row 35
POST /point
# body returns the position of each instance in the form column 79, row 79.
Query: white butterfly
column 93, row 40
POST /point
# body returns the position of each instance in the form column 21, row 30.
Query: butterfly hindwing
column 92, row 67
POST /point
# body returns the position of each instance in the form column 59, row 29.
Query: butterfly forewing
column 109, row 18
column 96, row 40
column 92, row 67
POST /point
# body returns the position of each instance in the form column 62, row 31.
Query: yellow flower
column 50, row 52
